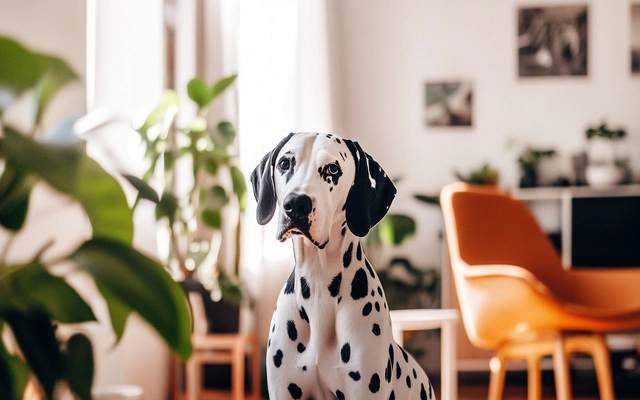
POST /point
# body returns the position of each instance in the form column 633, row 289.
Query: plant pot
column 598, row 175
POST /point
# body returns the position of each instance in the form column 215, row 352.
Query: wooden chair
column 224, row 348
column 516, row 298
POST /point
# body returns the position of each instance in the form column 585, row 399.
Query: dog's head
column 318, row 182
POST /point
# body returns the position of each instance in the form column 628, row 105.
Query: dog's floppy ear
column 262, row 182
column 370, row 195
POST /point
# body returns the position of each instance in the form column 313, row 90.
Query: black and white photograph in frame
column 635, row 38
column 552, row 41
column 449, row 103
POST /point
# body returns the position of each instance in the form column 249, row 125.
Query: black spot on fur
column 339, row 299
column 392, row 396
column 374, row 383
column 359, row 252
column 415, row 376
column 348, row 255
column 355, row 375
column 334, row 287
column 273, row 328
column 367, row 309
column 377, row 306
column 359, row 285
column 423, row 393
column 373, row 293
column 376, row 329
column 291, row 284
column 345, row 353
column 404, row 354
column 388, row 371
column 291, row 330
column 295, row 391
column 408, row 381
column 339, row 395
column 306, row 292
column 430, row 390
column 344, row 231
column 277, row 358
column 366, row 263
column 303, row 314
column 398, row 371
column 304, row 367
column 301, row 348
column 380, row 291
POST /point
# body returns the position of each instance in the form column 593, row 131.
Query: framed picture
column 635, row 38
column 552, row 41
column 449, row 103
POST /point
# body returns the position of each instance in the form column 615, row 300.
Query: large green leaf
column 165, row 112
column 20, row 70
column 216, row 197
column 118, row 311
column 199, row 92
column 396, row 228
column 71, row 171
column 57, row 73
column 167, row 207
column 222, row 85
column 30, row 289
column 145, row 191
column 223, row 135
column 78, row 363
column 14, row 374
column 212, row 218
column 15, row 191
column 37, row 341
column 141, row 284
column 239, row 186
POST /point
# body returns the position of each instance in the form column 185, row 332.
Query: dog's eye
column 284, row 164
column 333, row 169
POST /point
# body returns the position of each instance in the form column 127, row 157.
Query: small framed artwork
column 449, row 103
column 552, row 41
column 635, row 38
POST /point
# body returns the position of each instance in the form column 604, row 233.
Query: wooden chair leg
column 255, row 372
column 498, row 370
column 192, row 379
column 534, row 377
column 600, row 354
column 237, row 371
column 561, row 369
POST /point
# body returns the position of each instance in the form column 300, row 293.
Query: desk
column 423, row 319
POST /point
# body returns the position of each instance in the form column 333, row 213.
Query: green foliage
column 531, row 157
column 33, row 302
column 485, row 175
column 602, row 131
column 217, row 186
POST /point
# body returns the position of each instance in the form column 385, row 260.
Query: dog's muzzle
column 297, row 209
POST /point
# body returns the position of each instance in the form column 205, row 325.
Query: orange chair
column 516, row 298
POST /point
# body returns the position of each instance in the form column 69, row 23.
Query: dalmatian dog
column 331, row 332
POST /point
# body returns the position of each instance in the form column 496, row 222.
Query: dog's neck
column 320, row 266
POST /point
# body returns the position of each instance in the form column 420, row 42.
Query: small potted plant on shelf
column 485, row 175
column 604, row 167
column 528, row 161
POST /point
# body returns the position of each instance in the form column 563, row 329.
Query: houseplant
column 36, row 297
column 605, row 167
column 528, row 161
column 194, row 166
column 484, row 175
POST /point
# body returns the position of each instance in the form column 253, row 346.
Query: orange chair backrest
column 491, row 227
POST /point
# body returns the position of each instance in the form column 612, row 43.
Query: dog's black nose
column 297, row 206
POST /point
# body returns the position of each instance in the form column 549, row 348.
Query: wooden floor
column 475, row 386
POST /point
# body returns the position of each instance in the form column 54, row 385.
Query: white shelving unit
column 565, row 195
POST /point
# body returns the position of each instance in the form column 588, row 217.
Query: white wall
column 387, row 50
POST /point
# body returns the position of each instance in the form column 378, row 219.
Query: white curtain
column 284, row 86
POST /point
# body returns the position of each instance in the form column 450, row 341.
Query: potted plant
column 203, row 192
column 604, row 165
column 485, row 175
column 35, row 302
column 528, row 161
